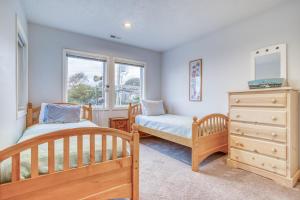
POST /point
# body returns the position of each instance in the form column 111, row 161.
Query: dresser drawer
column 276, row 117
column 267, row 100
column 259, row 146
column 277, row 134
column 264, row 162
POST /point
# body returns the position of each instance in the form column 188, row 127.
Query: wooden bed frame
column 209, row 135
column 115, row 178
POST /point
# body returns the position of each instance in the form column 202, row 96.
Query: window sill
column 120, row 108
column 100, row 109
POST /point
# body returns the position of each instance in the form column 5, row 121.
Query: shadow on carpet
column 176, row 151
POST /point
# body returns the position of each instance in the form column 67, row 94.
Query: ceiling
column 156, row 24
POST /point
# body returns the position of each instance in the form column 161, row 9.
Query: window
column 85, row 78
column 129, row 83
column 21, row 71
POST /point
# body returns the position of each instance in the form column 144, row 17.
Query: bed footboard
column 209, row 135
column 110, row 178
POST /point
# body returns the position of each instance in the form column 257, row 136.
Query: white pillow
column 153, row 108
column 42, row 113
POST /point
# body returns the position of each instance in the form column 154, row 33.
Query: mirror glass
column 267, row 66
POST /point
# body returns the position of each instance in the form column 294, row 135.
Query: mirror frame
column 280, row 48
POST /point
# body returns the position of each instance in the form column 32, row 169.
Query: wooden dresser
column 263, row 133
column 120, row 123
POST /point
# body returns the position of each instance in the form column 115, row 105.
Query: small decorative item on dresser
column 120, row 123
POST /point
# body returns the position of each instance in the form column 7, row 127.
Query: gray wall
column 45, row 61
column 11, row 127
column 226, row 60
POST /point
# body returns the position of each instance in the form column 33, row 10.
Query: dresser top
column 265, row 90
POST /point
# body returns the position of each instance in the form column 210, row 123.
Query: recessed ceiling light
column 127, row 25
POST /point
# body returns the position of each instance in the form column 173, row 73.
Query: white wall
column 45, row 63
column 11, row 127
column 226, row 60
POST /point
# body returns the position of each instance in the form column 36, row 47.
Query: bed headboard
column 32, row 116
column 133, row 111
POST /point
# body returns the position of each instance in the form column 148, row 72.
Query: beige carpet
column 165, row 173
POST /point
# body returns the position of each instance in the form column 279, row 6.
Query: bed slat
column 0, row 173
column 34, row 161
column 66, row 153
column 92, row 148
column 79, row 151
column 206, row 128
column 114, row 147
column 219, row 124
column 15, row 174
column 104, row 148
column 124, row 149
column 51, row 157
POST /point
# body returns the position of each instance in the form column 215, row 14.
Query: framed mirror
column 269, row 63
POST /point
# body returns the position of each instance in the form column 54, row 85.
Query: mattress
column 174, row 124
column 40, row 129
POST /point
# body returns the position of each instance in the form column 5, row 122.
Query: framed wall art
column 195, row 73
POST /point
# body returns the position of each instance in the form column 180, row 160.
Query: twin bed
column 70, row 161
column 82, row 161
column 204, row 136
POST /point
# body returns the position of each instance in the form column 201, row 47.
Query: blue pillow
column 56, row 113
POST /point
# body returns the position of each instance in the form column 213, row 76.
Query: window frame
column 118, row 60
column 109, row 76
column 21, row 35
column 87, row 55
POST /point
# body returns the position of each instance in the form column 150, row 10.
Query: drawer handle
column 237, row 129
column 274, row 118
column 274, row 134
column 237, row 101
column 274, row 101
column 255, row 150
column 274, row 166
column 262, row 164
column 253, row 158
column 237, row 116
column 236, row 157
column 274, row 150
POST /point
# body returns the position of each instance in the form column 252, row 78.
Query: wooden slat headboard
column 32, row 116
column 133, row 111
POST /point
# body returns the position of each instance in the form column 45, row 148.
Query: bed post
column 90, row 111
column 130, row 117
column 135, row 165
column 29, row 115
column 195, row 159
